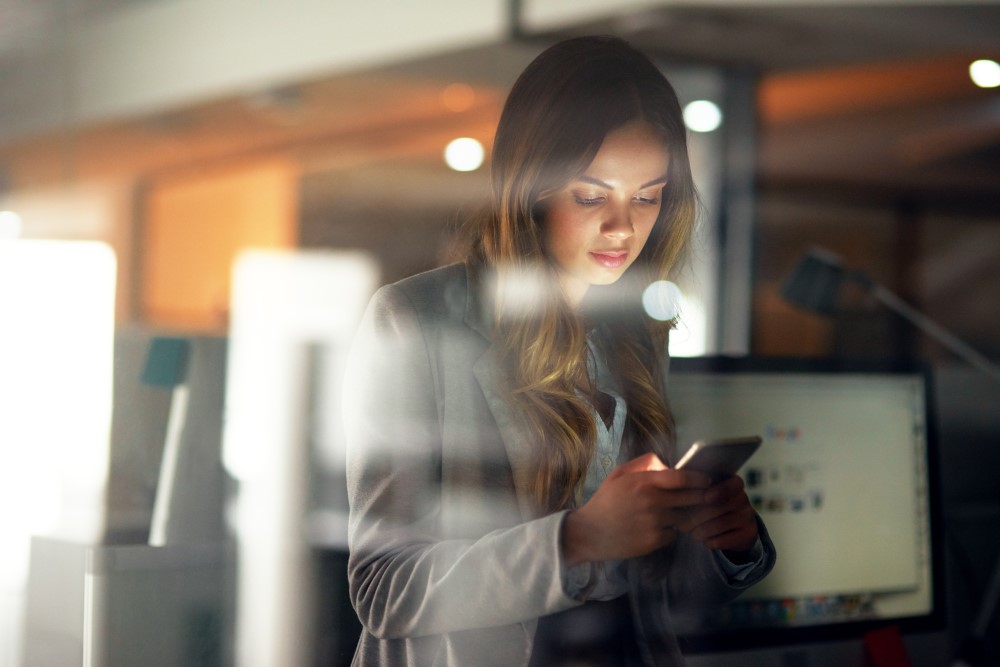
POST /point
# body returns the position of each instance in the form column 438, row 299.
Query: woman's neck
column 574, row 290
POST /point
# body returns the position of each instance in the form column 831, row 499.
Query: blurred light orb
column 458, row 97
column 10, row 225
column 702, row 116
column 985, row 73
column 464, row 154
column 662, row 300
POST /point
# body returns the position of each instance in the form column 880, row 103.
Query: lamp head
column 814, row 284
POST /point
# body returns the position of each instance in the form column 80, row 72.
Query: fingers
column 645, row 463
column 726, row 521
column 651, row 503
column 734, row 519
column 724, row 491
column 658, row 487
column 676, row 499
column 671, row 479
column 720, row 500
column 738, row 540
column 665, row 477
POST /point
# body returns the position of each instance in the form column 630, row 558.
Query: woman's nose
column 618, row 225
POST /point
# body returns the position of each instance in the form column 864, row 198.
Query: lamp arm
column 934, row 330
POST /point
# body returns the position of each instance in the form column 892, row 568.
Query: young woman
column 509, row 433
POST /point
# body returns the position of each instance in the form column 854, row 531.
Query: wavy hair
column 554, row 121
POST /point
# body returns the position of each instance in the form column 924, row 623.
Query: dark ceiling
column 874, row 99
column 780, row 37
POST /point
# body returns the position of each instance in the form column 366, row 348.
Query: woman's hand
column 636, row 510
column 726, row 521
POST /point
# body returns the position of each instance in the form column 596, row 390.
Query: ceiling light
column 464, row 154
column 702, row 116
column 985, row 73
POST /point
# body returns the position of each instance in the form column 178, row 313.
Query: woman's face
column 596, row 225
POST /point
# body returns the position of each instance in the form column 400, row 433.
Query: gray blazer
column 449, row 563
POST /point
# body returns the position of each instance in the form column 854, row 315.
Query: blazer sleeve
column 405, row 580
column 696, row 579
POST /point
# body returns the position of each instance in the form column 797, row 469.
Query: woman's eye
column 649, row 199
column 587, row 201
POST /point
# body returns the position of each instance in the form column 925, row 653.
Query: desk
column 104, row 606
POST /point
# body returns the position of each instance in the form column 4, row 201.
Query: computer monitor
column 845, row 482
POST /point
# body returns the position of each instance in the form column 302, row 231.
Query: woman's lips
column 610, row 259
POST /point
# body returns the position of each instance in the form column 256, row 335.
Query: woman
column 508, row 427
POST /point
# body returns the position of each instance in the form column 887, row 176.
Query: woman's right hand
column 634, row 512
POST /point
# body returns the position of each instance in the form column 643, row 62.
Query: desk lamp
column 816, row 281
column 813, row 285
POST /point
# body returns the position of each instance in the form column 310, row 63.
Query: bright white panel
column 292, row 313
column 56, row 345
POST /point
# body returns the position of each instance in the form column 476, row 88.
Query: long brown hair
column 556, row 116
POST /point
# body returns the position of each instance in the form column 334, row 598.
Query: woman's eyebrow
column 598, row 182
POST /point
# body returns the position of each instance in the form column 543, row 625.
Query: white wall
column 159, row 54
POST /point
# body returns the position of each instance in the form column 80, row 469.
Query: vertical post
column 515, row 8
column 907, row 223
column 738, row 212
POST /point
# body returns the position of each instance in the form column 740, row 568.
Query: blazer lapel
column 517, row 441
column 489, row 373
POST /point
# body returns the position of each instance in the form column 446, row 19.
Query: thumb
column 644, row 463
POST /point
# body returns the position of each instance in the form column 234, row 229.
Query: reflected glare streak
column 524, row 291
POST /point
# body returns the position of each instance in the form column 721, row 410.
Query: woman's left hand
column 726, row 520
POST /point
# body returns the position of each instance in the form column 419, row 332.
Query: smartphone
column 719, row 458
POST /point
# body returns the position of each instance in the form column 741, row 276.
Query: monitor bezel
column 717, row 640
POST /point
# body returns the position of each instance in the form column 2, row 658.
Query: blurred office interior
column 181, row 133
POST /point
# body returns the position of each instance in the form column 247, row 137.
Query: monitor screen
column 844, row 483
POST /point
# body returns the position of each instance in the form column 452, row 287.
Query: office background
column 180, row 132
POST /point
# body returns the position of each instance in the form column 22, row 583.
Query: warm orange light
column 458, row 97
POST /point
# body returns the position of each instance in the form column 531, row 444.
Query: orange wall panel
column 196, row 224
